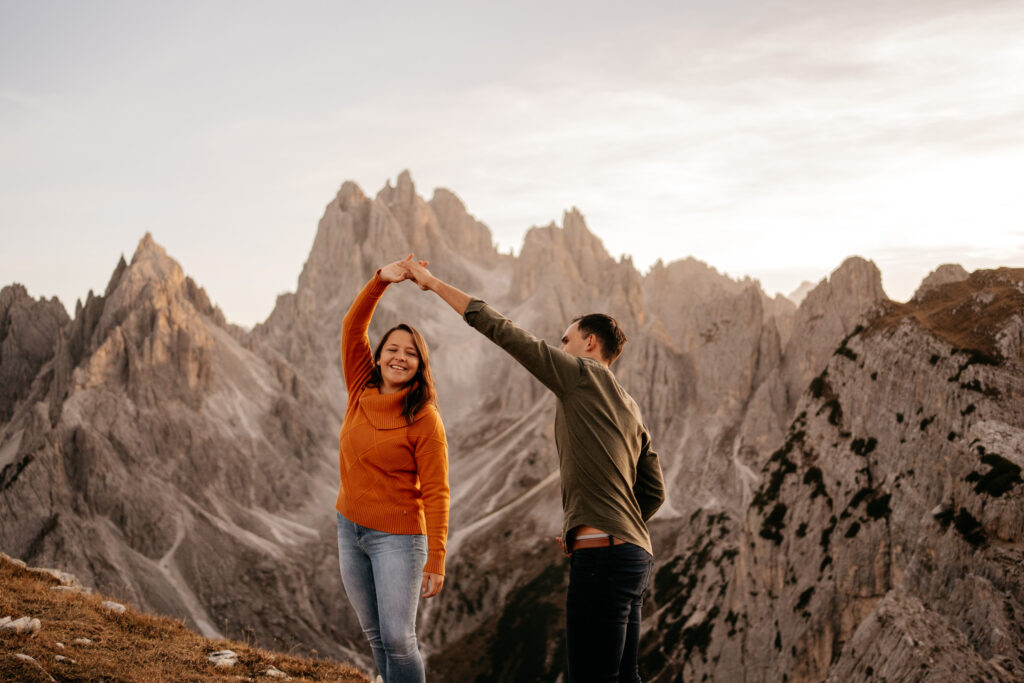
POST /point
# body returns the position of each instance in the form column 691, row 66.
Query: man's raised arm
column 556, row 369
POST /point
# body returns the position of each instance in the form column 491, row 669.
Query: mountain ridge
column 243, row 427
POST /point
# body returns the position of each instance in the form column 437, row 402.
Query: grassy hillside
column 124, row 647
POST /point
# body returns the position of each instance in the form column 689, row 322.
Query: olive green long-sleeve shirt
column 610, row 475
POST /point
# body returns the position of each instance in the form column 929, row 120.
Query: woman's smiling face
column 398, row 362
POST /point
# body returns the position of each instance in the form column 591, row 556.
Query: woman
column 393, row 500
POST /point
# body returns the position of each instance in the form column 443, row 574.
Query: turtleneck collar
column 384, row 411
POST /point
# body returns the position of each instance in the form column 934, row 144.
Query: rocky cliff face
column 883, row 541
column 841, row 474
column 161, row 459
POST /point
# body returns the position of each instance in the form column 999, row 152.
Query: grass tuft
column 126, row 647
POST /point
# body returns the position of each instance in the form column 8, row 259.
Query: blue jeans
column 382, row 574
column 602, row 612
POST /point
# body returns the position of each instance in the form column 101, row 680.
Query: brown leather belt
column 603, row 542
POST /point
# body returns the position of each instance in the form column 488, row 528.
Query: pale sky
column 770, row 138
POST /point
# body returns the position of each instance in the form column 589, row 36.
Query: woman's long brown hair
column 421, row 386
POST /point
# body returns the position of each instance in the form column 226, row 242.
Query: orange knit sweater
column 394, row 475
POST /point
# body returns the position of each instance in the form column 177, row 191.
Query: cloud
column 765, row 138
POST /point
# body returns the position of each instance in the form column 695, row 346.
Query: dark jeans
column 602, row 612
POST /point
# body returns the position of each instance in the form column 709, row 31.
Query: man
column 610, row 476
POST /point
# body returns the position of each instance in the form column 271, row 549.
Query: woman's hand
column 417, row 272
column 396, row 272
column 431, row 584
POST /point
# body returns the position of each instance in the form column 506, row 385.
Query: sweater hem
column 389, row 520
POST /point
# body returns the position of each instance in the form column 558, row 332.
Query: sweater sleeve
column 649, row 488
column 556, row 369
column 432, row 466
column 356, row 354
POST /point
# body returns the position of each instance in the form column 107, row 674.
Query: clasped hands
column 407, row 269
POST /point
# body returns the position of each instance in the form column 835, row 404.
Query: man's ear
column 592, row 342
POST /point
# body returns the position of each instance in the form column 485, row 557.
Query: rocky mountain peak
column 149, row 332
column 402, row 194
column 689, row 281
column 856, row 283
column 28, row 337
column 568, row 269
column 151, row 273
column 148, row 248
column 152, row 281
column 406, row 188
column 355, row 236
column 983, row 312
column 851, row 296
column 465, row 234
column 350, row 194
column 944, row 274
column 798, row 294
column 578, row 236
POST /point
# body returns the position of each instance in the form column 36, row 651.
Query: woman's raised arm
column 356, row 354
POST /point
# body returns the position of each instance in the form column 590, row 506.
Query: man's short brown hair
column 607, row 331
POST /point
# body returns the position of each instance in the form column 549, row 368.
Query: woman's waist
column 395, row 517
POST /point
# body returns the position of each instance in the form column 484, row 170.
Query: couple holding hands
column 393, row 500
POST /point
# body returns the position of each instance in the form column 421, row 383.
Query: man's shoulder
column 603, row 377
column 598, row 370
